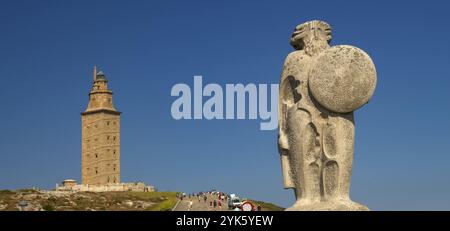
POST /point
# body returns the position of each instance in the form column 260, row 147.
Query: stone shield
column 342, row 78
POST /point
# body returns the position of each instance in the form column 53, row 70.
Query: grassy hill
column 96, row 201
column 86, row 201
column 265, row 206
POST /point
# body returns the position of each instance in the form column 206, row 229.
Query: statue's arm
column 283, row 105
column 284, row 102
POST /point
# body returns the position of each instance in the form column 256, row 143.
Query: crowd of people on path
column 216, row 200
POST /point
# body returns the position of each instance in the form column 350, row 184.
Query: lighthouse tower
column 100, row 136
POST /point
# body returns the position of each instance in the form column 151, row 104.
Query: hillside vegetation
column 85, row 201
column 265, row 206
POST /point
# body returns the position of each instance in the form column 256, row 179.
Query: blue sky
column 48, row 49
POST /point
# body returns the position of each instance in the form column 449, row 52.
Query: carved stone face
column 310, row 32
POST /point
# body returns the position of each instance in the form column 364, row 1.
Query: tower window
column 96, row 155
column 114, row 138
column 107, row 123
column 107, row 137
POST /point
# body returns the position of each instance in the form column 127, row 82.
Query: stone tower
column 100, row 158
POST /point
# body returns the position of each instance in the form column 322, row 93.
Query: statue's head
column 311, row 33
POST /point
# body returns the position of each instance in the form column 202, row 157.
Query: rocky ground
column 37, row 200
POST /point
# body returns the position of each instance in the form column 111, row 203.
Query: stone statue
column 320, row 88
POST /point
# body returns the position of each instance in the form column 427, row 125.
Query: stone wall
column 111, row 187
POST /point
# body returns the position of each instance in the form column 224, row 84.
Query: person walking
column 190, row 205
